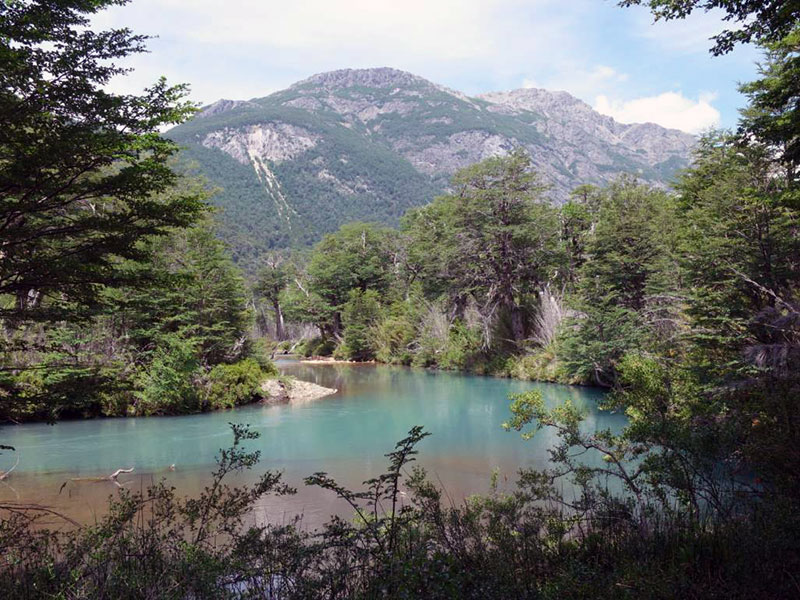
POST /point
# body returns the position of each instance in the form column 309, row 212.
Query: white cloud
column 670, row 109
column 232, row 48
column 249, row 48
column 579, row 81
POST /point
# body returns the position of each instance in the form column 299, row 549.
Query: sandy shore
column 293, row 391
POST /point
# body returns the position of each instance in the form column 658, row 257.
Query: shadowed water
column 346, row 434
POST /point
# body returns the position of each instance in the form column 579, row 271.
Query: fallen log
column 112, row 477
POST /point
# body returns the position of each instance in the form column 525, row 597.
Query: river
column 346, row 435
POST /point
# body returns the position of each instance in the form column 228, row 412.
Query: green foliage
column 542, row 364
column 318, row 346
column 359, row 315
column 628, row 291
column 405, row 541
column 227, row 386
column 168, row 384
column 107, row 264
column 261, row 353
column 459, row 350
column 83, row 172
column 394, row 336
column 201, row 296
column 772, row 116
column 502, row 238
column 358, row 256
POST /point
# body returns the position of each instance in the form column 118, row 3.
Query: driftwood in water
column 5, row 474
column 112, row 477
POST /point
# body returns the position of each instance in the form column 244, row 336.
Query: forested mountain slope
column 369, row 144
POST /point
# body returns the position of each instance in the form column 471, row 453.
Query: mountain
column 368, row 144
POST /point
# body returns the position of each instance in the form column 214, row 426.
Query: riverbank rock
column 282, row 391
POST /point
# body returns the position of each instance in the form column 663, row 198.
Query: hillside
column 369, row 144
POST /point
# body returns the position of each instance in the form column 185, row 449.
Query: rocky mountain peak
column 221, row 106
column 533, row 99
column 381, row 77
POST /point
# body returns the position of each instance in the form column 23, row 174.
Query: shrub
column 232, row 385
column 462, row 348
column 393, row 337
column 168, row 385
column 540, row 364
column 318, row 346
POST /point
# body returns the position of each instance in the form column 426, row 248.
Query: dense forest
column 116, row 297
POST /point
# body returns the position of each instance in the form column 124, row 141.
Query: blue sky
column 617, row 60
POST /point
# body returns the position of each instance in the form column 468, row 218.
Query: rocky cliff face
column 369, row 144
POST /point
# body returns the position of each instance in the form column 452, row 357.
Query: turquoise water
column 346, row 434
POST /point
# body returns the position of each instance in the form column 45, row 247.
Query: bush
column 540, row 364
column 318, row 346
column 343, row 352
column 462, row 348
column 232, row 385
column 393, row 337
column 168, row 385
column 524, row 544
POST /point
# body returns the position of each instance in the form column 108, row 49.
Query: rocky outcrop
column 281, row 391
column 572, row 121
column 274, row 142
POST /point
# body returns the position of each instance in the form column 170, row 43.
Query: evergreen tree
column 629, row 284
column 83, row 172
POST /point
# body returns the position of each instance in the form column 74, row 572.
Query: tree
column 501, row 240
column 200, row 296
column 273, row 278
column 358, row 256
column 760, row 21
column 740, row 251
column 772, row 116
column 84, row 174
column 578, row 217
column 628, row 289
column 359, row 316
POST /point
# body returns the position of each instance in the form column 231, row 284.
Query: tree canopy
column 84, row 173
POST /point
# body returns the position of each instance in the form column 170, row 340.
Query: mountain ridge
column 367, row 144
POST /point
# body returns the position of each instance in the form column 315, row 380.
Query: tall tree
column 358, row 256
column 273, row 278
column 82, row 171
column 628, row 285
column 503, row 235
column 772, row 116
column 85, row 181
